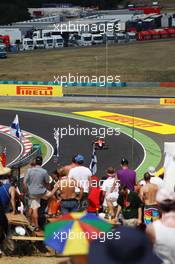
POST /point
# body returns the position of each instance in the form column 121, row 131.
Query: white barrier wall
column 169, row 166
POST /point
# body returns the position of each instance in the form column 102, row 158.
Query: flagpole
column 132, row 148
column 56, row 137
column 93, row 163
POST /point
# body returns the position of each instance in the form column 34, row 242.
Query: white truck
column 97, row 39
column 58, row 42
column 14, row 34
column 39, row 43
column 109, row 38
column 120, row 38
column 130, row 37
column 41, row 34
column 51, row 38
column 27, row 44
column 84, row 39
column 48, row 42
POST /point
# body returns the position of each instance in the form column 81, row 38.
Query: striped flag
column 15, row 128
column 56, row 153
column 93, row 164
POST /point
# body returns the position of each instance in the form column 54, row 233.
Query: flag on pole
column 56, row 153
column 15, row 128
column 93, row 164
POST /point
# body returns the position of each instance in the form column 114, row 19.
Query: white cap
column 151, row 170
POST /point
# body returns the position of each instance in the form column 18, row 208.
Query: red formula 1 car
column 100, row 143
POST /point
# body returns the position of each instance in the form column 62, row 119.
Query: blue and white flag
column 93, row 164
column 15, row 128
column 56, row 153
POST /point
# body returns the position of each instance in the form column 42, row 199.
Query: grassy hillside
column 135, row 62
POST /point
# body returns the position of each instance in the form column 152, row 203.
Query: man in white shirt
column 82, row 175
column 110, row 189
column 154, row 179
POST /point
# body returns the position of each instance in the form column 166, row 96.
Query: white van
column 39, row 43
column 97, row 39
column 58, row 42
column 48, row 43
column 27, row 44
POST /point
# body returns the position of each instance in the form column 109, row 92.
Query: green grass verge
column 127, row 91
column 43, row 146
column 142, row 61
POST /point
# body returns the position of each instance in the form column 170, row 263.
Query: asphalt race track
column 42, row 125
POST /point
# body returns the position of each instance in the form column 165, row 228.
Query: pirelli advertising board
column 167, row 101
column 30, row 90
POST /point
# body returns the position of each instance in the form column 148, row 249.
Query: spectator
column 3, row 225
column 53, row 204
column 148, row 196
column 82, row 175
column 130, row 205
column 7, row 191
column 154, row 179
column 66, row 186
column 4, row 173
column 126, row 176
column 8, row 197
column 72, row 165
column 110, row 190
column 125, row 245
column 162, row 231
column 36, row 182
column 95, row 196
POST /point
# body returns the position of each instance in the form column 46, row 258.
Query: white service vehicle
column 131, row 37
column 109, row 38
column 36, row 34
column 41, row 34
column 121, row 38
column 39, row 43
column 84, row 39
column 58, row 42
column 27, row 44
column 48, row 43
column 97, row 39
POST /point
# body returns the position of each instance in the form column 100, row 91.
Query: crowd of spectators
column 117, row 197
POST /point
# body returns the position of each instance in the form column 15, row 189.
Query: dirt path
column 34, row 260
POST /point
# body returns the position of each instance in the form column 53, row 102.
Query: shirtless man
column 73, row 164
column 66, row 186
column 148, row 196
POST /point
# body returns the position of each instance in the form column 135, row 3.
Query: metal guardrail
column 26, row 160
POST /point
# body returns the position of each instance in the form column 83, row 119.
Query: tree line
column 16, row 10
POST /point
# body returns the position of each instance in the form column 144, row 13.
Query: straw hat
column 4, row 170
